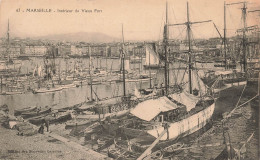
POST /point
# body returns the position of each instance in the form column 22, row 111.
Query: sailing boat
column 135, row 59
column 6, row 61
column 172, row 116
column 152, row 59
column 221, row 80
column 112, row 106
column 50, row 71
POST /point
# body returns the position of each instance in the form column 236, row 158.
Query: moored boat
column 52, row 118
column 221, row 80
column 36, row 113
column 46, row 90
column 27, row 109
column 77, row 123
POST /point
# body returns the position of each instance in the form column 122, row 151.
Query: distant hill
column 93, row 37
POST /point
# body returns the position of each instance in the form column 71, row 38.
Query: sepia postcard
column 129, row 79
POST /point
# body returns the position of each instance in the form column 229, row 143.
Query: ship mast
column 225, row 49
column 8, row 42
column 166, row 50
column 150, row 70
column 244, row 34
column 189, row 51
column 90, row 73
column 123, row 61
column 188, row 25
column 8, row 34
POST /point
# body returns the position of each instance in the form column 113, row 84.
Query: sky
column 142, row 19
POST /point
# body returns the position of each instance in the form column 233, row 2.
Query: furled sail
column 151, row 56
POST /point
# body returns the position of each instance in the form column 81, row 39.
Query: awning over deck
column 185, row 98
column 147, row 110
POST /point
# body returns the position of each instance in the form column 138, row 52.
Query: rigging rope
column 184, row 73
column 230, row 113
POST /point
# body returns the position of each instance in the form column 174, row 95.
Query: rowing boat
column 63, row 117
column 36, row 113
column 27, row 109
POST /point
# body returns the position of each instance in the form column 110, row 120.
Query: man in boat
column 47, row 124
column 129, row 145
column 115, row 142
column 41, row 129
column 166, row 126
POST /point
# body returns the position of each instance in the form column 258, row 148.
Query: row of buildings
column 211, row 47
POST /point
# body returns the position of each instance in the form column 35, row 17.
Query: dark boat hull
column 33, row 114
column 18, row 112
column 159, row 66
column 51, row 119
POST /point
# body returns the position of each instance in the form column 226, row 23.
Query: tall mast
column 244, row 35
column 225, row 49
column 106, row 59
column 166, row 50
column 90, row 73
column 189, row 41
column 150, row 70
column 8, row 40
column 123, row 61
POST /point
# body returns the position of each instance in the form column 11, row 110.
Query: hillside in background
column 92, row 37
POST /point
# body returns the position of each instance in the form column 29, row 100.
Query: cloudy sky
column 142, row 19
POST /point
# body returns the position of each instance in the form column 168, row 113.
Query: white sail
column 127, row 65
column 40, row 71
column 35, row 71
column 137, row 93
column 152, row 57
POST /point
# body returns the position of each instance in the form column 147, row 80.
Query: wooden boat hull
column 153, row 66
column 77, row 123
column 33, row 114
column 102, row 116
column 47, row 90
column 51, row 119
column 186, row 126
column 68, row 86
column 13, row 93
column 177, row 129
column 228, row 85
column 18, row 112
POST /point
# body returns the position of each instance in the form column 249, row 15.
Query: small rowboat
column 36, row 113
column 18, row 112
column 45, row 90
column 13, row 93
column 52, row 119
column 77, row 123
